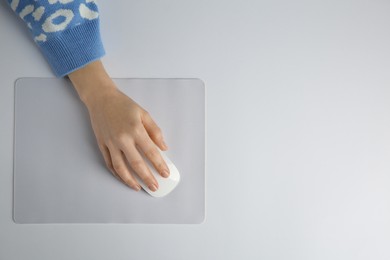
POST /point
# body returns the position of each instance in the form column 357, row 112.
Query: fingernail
column 153, row 187
column 137, row 188
column 165, row 173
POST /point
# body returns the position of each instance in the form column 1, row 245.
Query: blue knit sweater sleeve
column 66, row 31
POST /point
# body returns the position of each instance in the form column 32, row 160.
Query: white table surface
column 298, row 128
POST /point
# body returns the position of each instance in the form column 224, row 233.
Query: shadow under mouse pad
column 60, row 175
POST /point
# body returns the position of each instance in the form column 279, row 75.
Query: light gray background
column 298, row 128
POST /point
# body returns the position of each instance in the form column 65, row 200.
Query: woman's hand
column 120, row 126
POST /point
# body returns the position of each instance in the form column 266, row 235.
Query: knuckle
column 121, row 137
column 118, row 168
column 152, row 153
column 138, row 130
column 137, row 165
column 148, row 179
column 128, row 180
column 157, row 133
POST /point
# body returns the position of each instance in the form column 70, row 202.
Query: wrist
column 92, row 82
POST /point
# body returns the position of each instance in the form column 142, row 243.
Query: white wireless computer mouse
column 166, row 185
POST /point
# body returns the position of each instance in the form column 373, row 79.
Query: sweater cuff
column 73, row 48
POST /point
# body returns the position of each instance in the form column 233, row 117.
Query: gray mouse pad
column 60, row 175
